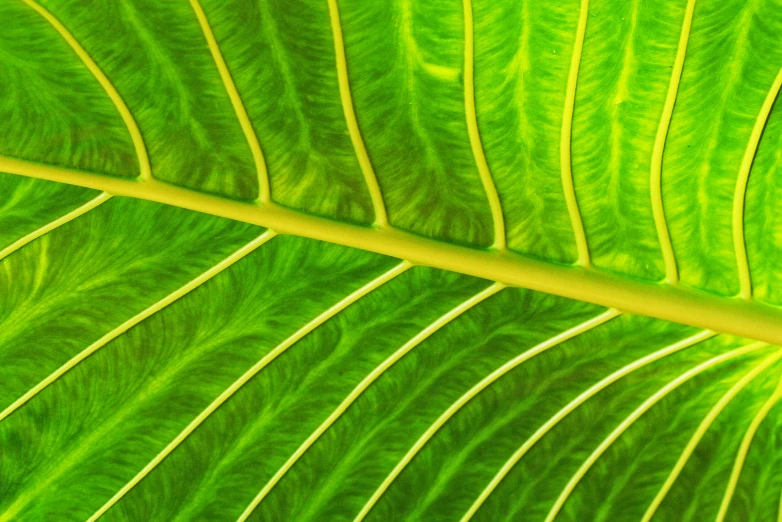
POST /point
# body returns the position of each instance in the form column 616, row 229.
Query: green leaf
column 318, row 260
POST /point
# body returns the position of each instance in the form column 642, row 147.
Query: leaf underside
column 163, row 364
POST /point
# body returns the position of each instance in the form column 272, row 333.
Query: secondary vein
column 236, row 101
column 475, row 390
column 145, row 170
column 739, row 196
column 703, row 427
column 70, row 216
column 363, row 385
column 565, row 140
column 636, row 414
column 658, row 210
column 741, row 455
column 249, row 374
column 136, row 319
column 381, row 218
column 572, row 405
column 30, row 494
column 472, row 129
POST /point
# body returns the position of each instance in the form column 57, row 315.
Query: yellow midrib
column 741, row 317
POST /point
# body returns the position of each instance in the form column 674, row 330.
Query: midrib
column 668, row 302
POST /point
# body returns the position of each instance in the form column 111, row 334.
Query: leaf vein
column 381, row 218
column 739, row 241
column 565, row 158
column 636, row 414
column 236, row 102
column 703, row 428
column 472, row 129
column 475, row 390
column 655, row 186
column 363, row 385
column 571, row 406
column 136, row 319
column 145, row 170
column 741, row 455
column 35, row 234
column 249, row 374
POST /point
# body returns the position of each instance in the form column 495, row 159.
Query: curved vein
column 381, row 218
column 565, row 140
column 572, row 405
column 703, row 427
column 636, row 414
column 741, row 456
column 658, row 209
column 249, row 374
column 35, row 234
column 472, row 129
column 145, row 171
column 364, row 384
column 236, row 100
column 739, row 242
column 475, row 390
column 133, row 321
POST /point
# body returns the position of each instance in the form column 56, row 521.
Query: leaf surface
column 343, row 260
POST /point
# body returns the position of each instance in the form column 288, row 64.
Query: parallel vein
column 739, row 196
column 636, row 414
column 236, row 101
column 703, row 427
column 381, row 218
column 363, row 385
column 741, row 456
column 145, row 171
column 30, row 494
column 658, row 209
column 472, row 129
column 475, row 390
column 133, row 321
column 571, row 406
column 249, row 374
column 35, row 234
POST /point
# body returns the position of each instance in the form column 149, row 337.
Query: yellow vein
column 236, row 100
column 565, row 140
column 703, row 428
column 73, row 214
column 364, row 384
column 779, row 516
column 249, row 374
column 739, row 243
column 145, row 171
column 658, row 209
column 672, row 303
column 472, row 130
column 133, row 321
column 741, row 456
column 475, row 390
column 381, row 219
column 636, row 414
column 572, row 405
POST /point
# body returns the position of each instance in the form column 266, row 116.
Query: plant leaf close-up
column 390, row 260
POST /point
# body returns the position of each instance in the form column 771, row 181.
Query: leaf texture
column 400, row 260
